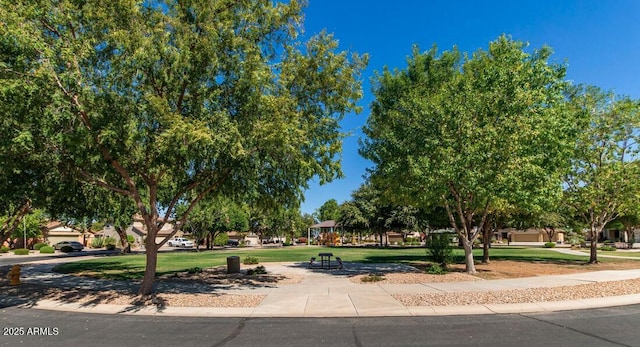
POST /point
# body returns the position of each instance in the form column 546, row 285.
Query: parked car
column 233, row 243
column 75, row 245
column 180, row 242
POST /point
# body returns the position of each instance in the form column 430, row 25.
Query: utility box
column 233, row 264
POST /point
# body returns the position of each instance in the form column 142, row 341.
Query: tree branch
column 103, row 183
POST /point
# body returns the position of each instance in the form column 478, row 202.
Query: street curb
column 249, row 312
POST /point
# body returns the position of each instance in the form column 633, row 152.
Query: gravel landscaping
column 218, row 277
column 583, row 291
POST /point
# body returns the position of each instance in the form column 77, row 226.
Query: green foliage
column 130, row 239
column 4, row 249
column 440, row 249
column 549, row 245
column 98, row 242
column 66, row 249
column 329, row 210
column 608, row 248
column 468, row 133
column 436, row 269
column 605, row 178
column 30, row 224
column 215, row 216
column 575, row 237
column 39, row 245
column 21, row 251
column 171, row 103
column 372, row 278
column 47, row 249
column 221, row 239
column 249, row 260
column 259, row 270
column 194, row 270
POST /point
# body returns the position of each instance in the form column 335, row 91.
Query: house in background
column 248, row 238
column 139, row 231
column 531, row 235
column 56, row 231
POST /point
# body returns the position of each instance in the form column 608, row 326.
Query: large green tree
column 330, row 210
column 165, row 102
column 605, row 180
column 464, row 131
column 213, row 216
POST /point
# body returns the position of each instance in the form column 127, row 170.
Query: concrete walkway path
column 329, row 293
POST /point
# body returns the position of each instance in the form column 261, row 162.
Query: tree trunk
column 12, row 222
column 593, row 254
column 470, row 266
column 486, row 242
column 126, row 247
column 551, row 232
column 146, row 287
column 594, row 231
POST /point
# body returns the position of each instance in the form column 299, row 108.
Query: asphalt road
column 616, row 326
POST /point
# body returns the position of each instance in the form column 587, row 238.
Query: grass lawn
column 132, row 266
column 618, row 254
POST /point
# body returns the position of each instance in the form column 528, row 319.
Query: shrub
column 194, row 270
column 66, row 249
column 109, row 241
column 130, row 239
column 436, row 269
column 259, row 270
column 608, row 248
column 39, row 245
column 47, row 249
column 250, row 260
column 97, row 242
column 4, row 249
column 440, row 250
column 21, row 251
column 110, row 247
column 549, row 244
column 372, row 278
column 221, row 239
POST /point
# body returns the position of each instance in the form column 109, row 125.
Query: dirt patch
column 500, row 269
column 514, row 269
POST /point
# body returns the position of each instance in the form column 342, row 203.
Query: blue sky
column 599, row 41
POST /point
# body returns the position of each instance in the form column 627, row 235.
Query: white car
column 180, row 242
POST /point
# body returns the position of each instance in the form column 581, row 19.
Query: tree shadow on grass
column 351, row 269
column 216, row 278
column 41, row 284
column 106, row 270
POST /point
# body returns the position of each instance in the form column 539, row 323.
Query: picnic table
column 325, row 261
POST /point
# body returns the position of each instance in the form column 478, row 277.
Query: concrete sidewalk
column 330, row 293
